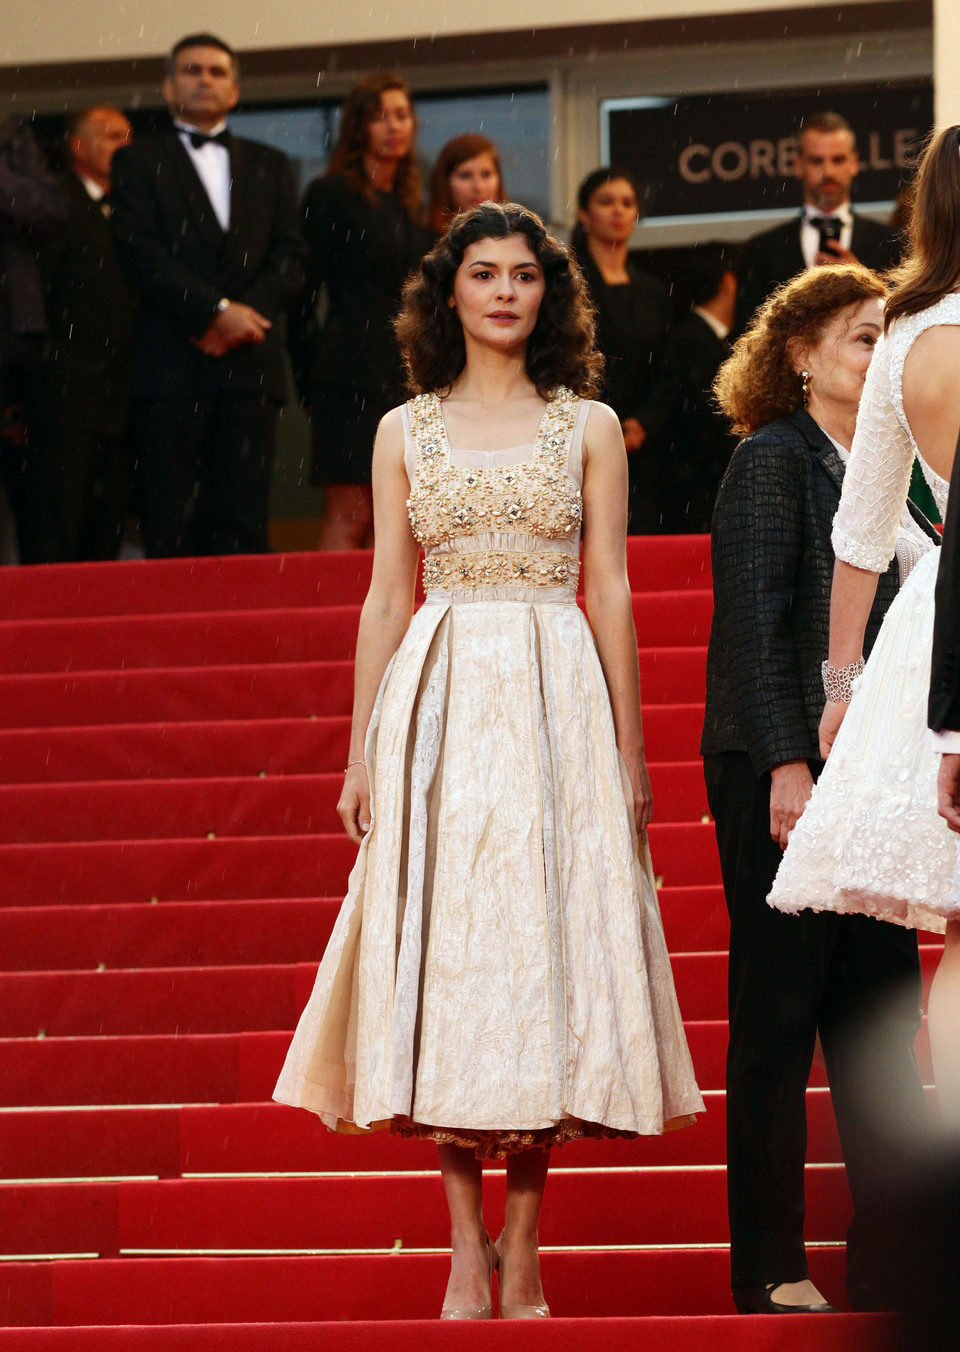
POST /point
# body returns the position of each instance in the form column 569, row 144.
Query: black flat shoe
column 757, row 1300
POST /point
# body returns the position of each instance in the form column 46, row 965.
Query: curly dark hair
column 360, row 108
column 561, row 348
column 757, row 383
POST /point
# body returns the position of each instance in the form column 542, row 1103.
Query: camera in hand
column 830, row 227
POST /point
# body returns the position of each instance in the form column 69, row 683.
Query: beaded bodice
column 495, row 525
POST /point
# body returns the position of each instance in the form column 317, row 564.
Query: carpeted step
column 406, row 1286
column 257, row 581
column 278, row 929
column 327, row 633
column 221, row 1067
column 229, row 999
column 238, row 806
column 230, row 747
column 64, row 938
column 81, row 872
column 680, row 1333
column 255, row 690
column 619, row 1207
column 258, row 1138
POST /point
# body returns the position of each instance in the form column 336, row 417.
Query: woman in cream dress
column 870, row 839
column 497, row 978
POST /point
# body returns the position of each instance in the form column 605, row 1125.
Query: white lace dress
column 497, row 976
column 870, row 839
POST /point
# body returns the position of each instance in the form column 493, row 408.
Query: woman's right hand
column 354, row 805
column 830, row 720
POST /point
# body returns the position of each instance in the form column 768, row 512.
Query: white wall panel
column 85, row 30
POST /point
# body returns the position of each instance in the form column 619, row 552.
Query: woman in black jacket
column 633, row 317
column 363, row 223
column 792, row 385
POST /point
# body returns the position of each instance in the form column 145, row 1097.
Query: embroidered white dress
column 870, row 839
column 498, row 974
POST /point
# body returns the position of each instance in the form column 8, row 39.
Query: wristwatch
column 222, row 304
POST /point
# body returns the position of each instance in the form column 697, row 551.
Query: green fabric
column 921, row 496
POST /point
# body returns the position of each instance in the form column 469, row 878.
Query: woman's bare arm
column 386, row 612
column 607, row 592
column 851, row 600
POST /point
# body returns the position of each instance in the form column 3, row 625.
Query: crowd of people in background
column 146, row 293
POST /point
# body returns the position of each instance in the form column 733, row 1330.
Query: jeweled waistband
column 500, row 568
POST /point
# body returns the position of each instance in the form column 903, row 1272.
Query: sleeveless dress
column 497, row 976
column 870, row 839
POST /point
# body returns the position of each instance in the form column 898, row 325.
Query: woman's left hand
column 642, row 792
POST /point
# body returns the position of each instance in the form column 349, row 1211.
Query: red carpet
column 171, row 738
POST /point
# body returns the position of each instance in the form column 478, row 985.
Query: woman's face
column 611, row 212
column 474, row 181
column 390, row 132
column 838, row 362
column 497, row 292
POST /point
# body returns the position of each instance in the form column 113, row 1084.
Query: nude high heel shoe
column 508, row 1311
column 474, row 1311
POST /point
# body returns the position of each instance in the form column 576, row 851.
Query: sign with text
column 732, row 154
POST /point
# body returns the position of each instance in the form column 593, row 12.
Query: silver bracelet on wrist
column 838, row 681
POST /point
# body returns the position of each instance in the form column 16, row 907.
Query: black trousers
column 74, row 489
column 204, row 468
column 854, row 979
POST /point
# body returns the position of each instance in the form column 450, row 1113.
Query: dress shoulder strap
column 422, row 435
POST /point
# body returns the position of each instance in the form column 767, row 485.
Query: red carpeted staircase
column 171, row 739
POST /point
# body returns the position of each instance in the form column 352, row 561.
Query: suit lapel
column 827, row 453
column 241, row 189
column 195, row 194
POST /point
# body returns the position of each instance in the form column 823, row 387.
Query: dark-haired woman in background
column 466, row 172
column 793, row 385
column 497, row 979
column 633, row 318
column 363, row 224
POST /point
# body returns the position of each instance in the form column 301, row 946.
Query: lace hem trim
column 497, row 1145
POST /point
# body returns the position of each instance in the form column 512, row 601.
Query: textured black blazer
column 361, row 255
column 774, row 256
column 84, row 374
column 944, row 707
column 180, row 262
column 772, row 572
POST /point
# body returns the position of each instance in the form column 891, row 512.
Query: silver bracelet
column 838, row 681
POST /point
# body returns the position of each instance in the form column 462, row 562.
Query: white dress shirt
column 810, row 231
column 212, row 163
column 721, row 330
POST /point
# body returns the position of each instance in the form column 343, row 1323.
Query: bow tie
column 200, row 138
column 826, row 222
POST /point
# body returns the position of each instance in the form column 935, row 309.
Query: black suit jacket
column 180, row 263
column 944, row 707
column 83, row 378
column 772, row 571
column 774, row 256
column 362, row 254
column 696, row 442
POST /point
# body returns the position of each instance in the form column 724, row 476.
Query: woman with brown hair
column 792, row 386
column 362, row 221
column 497, row 979
column 466, row 172
column 871, row 841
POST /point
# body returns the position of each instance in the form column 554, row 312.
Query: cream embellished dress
column 497, row 976
column 870, row 840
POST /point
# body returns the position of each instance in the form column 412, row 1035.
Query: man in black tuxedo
column 207, row 233
column 827, row 230
column 696, row 442
column 78, row 464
